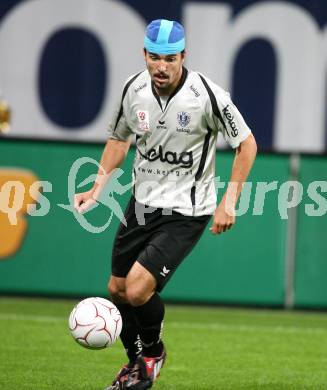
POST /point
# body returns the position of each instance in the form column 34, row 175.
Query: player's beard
column 162, row 82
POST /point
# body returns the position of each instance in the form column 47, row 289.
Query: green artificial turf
column 208, row 348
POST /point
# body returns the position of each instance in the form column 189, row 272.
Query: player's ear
column 144, row 52
column 183, row 54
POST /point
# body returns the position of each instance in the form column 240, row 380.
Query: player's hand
column 84, row 201
column 223, row 219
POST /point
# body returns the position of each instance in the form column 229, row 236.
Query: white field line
column 182, row 325
column 249, row 328
column 33, row 318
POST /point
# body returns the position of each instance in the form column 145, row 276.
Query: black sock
column 130, row 332
column 150, row 318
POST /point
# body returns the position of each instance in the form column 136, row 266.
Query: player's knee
column 137, row 296
column 117, row 291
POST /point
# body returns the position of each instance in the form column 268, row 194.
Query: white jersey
column 174, row 165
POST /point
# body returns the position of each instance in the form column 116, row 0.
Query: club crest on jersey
column 183, row 118
column 143, row 119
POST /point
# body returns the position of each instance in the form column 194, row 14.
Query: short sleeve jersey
column 174, row 164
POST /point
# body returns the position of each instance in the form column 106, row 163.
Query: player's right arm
column 114, row 152
column 113, row 155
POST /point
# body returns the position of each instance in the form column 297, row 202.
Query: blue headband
column 164, row 37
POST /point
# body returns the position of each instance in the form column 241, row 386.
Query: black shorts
column 160, row 244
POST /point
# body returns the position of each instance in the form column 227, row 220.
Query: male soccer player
column 176, row 115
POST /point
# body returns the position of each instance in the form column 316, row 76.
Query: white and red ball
column 95, row 323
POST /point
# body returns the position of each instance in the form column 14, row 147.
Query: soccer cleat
column 139, row 375
column 122, row 376
column 151, row 366
column 147, row 370
column 136, row 380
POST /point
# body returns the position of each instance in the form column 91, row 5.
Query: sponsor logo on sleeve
column 231, row 122
column 139, row 88
column 194, row 90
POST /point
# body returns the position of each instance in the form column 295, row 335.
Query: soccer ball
column 95, row 323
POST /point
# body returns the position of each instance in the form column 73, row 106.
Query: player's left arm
column 224, row 216
column 224, row 116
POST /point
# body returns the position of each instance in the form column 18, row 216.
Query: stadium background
column 61, row 69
